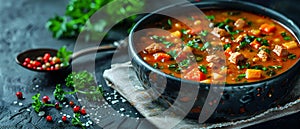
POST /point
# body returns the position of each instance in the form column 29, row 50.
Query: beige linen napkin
column 123, row 79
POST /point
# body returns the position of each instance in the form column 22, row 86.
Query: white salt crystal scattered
column 20, row 104
column 127, row 115
column 68, row 116
column 79, row 100
column 114, row 101
column 36, row 86
column 28, row 109
column 64, row 103
column 108, row 98
column 41, row 113
column 15, row 102
column 122, row 114
column 122, row 109
column 67, row 106
column 60, row 121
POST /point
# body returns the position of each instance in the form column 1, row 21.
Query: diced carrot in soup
column 267, row 28
column 161, row 57
column 253, row 74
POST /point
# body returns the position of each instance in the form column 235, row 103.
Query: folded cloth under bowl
column 123, row 79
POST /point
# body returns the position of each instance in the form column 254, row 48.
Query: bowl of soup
column 247, row 51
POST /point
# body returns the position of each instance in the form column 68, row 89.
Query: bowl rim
column 216, row 5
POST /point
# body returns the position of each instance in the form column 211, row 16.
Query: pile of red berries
column 46, row 62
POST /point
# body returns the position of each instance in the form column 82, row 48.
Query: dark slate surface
column 22, row 26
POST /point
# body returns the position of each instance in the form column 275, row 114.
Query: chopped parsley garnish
column 235, row 32
column 240, row 77
column 193, row 44
column 210, row 17
column 204, row 33
column 247, row 65
column 292, row 56
column 275, row 67
column 260, row 67
column 162, row 39
column 155, row 65
column 205, row 46
column 185, row 63
column 170, row 22
column 227, row 20
column 172, row 53
column 227, row 46
column 184, row 31
column 172, row 66
column 285, row 36
column 203, row 69
column 271, row 73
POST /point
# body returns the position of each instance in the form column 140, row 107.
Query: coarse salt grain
column 41, row 113
column 114, row 102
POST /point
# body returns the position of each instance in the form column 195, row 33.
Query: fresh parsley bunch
column 78, row 12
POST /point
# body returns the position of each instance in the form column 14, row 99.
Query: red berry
column 27, row 60
column 64, row 118
column 52, row 62
column 45, row 99
column 29, row 65
column 46, row 57
column 57, row 105
column 71, row 103
column 24, row 63
column 82, row 111
column 36, row 63
column 19, row 95
column 49, row 118
column 76, row 108
column 52, row 68
column 48, row 69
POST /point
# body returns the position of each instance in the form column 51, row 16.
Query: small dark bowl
column 238, row 101
column 34, row 53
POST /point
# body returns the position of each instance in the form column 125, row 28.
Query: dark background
column 22, row 27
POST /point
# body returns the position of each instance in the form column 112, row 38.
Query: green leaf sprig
column 37, row 105
column 64, row 55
